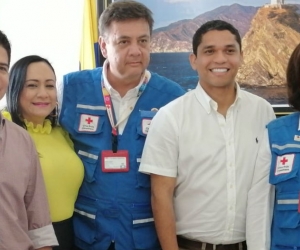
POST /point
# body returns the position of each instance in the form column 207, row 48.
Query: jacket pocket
column 285, row 163
column 287, row 210
column 84, row 220
column 144, row 233
column 89, row 119
column 144, row 122
column 90, row 161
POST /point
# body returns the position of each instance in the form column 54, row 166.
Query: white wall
column 49, row 28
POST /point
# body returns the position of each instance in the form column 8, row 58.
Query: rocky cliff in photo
column 177, row 37
column 267, row 46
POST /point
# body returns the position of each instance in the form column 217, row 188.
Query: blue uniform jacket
column 284, row 135
column 111, row 207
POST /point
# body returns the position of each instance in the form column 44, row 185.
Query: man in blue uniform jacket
column 108, row 112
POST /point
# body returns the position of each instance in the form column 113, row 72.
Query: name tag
column 115, row 162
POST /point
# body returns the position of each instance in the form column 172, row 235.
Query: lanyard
column 110, row 112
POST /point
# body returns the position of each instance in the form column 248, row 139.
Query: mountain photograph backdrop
column 269, row 35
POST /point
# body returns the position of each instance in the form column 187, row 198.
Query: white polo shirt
column 222, row 195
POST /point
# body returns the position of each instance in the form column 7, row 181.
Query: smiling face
column 38, row 97
column 218, row 59
column 126, row 45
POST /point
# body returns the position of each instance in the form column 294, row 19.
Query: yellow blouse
column 62, row 169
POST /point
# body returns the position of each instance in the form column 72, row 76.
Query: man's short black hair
column 215, row 25
column 5, row 44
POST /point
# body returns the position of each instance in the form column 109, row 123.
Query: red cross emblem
column 284, row 164
column 284, row 161
column 89, row 120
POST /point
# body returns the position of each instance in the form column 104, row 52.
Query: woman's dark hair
column 293, row 79
column 17, row 78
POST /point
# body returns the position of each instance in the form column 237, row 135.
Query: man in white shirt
column 208, row 155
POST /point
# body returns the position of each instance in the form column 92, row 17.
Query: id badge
column 115, row 162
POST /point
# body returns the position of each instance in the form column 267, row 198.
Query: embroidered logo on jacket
column 284, row 164
column 297, row 138
column 88, row 123
column 146, row 125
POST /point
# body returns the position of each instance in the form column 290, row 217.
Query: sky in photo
column 169, row 11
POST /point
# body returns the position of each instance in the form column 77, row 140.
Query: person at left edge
column 31, row 102
column 24, row 212
column 107, row 112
